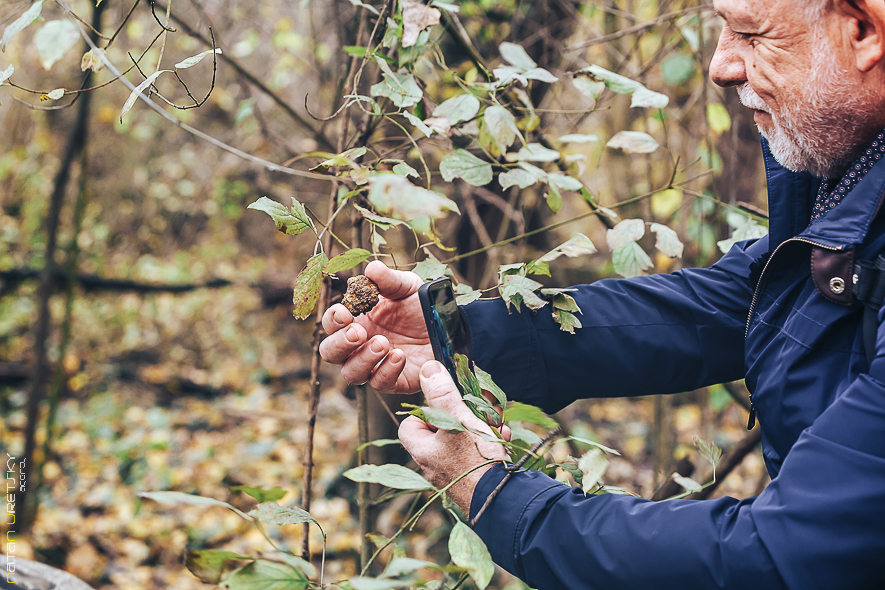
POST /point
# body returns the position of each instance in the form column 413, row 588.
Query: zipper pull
column 751, row 422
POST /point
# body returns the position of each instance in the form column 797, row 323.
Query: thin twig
column 641, row 27
column 510, row 471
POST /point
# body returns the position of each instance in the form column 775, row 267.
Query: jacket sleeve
column 820, row 524
column 647, row 335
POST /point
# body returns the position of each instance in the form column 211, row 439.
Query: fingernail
column 377, row 346
column 430, row 369
column 352, row 334
column 395, row 357
column 337, row 318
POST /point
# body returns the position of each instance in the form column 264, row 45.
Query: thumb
column 393, row 284
column 441, row 392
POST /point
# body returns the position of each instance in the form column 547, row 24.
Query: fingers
column 338, row 347
column 441, row 392
column 335, row 318
column 358, row 368
column 414, row 431
column 386, row 375
column 393, row 284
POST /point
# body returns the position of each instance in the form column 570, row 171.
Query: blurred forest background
column 172, row 361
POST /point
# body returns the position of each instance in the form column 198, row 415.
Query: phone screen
column 447, row 330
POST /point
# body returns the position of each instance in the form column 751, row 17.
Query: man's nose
column 727, row 67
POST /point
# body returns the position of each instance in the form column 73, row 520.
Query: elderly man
column 778, row 312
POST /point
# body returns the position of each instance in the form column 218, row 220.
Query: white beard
column 825, row 126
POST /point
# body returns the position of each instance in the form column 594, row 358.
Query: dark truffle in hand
column 361, row 296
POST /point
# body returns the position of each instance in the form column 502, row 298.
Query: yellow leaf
column 665, row 203
column 718, row 118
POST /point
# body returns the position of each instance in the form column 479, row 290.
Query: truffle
column 361, row 295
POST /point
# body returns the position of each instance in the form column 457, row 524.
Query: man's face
column 809, row 105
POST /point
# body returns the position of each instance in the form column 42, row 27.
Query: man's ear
column 862, row 24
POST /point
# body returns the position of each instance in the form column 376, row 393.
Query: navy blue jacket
column 793, row 333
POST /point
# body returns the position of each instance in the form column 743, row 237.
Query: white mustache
column 750, row 99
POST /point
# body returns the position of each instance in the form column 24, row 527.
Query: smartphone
column 445, row 324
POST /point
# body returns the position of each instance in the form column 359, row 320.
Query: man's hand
column 443, row 455
column 387, row 346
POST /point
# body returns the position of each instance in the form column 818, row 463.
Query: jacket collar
column 790, row 195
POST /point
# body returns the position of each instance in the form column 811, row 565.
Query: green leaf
column 516, row 177
column 501, row 126
column 645, row 98
column 520, row 412
column 468, row 551
column 397, row 197
column 355, row 51
column 567, row 321
column 541, row 75
column 54, row 39
column 566, row 302
column 665, row 203
column 381, row 442
column 678, row 69
column 554, row 199
column 404, row 170
column 460, row 108
column 446, row 6
column 378, row 220
column 614, row 82
column 466, row 379
column 719, row 398
column 18, row 25
column 748, row 229
column 5, row 74
column 130, row 102
column 190, row 499
column 667, row 241
column 633, row 142
column 589, row 87
column 402, row 89
column 305, row 566
column 535, row 152
column 392, row 476
column 595, row 444
column 399, row 566
column 462, row 164
column 430, row 268
column 308, row 286
column 262, row 494
column 419, row 125
column 346, row 158
column 579, row 245
column 245, row 110
column 689, row 484
column 291, row 221
column 192, row 61
column 209, row 564
column 466, row 294
column 267, row 575
column 708, row 451
column 578, row 138
column 523, row 434
column 517, row 289
column 273, row 513
column 516, row 56
column 563, row 182
column 718, row 117
column 488, row 384
column 347, row 260
column 625, row 232
column 593, row 465
column 438, row 418
column 630, row 260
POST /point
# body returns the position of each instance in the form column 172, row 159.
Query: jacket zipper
column 751, row 422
